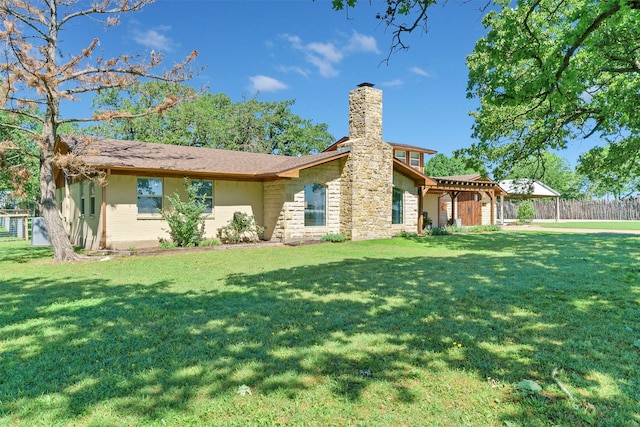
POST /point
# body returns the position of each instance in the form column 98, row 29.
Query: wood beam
column 420, row 209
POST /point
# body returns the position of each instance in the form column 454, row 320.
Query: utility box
column 39, row 235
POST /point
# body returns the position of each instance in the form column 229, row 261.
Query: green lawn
column 600, row 225
column 426, row 331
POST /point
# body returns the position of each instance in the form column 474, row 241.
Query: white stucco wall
column 128, row 229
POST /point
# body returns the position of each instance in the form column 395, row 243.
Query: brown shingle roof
column 407, row 147
column 103, row 153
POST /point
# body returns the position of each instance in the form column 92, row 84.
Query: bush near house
column 333, row 237
column 185, row 219
column 241, row 229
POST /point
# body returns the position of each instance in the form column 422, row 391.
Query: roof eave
column 295, row 172
column 419, row 179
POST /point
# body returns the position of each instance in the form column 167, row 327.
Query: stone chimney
column 367, row 180
column 365, row 113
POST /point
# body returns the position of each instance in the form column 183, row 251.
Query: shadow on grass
column 520, row 308
column 19, row 251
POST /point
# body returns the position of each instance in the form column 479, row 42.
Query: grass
column 599, row 225
column 436, row 330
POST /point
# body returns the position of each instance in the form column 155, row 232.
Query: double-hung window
column 401, row 155
column 149, row 196
column 205, row 194
column 414, row 160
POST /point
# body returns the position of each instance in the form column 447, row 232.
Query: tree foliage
column 18, row 160
column 401, row 16
column 210, row 120
column 551, row 72
column 441, row 165
column 611, row 170
column 38, row 76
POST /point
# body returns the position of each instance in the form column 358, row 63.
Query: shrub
column 212, row 241
column 186, row 223
column 333, row 237
column 167, row 244
column 241, row 229
column 525, row 212
column 439, row 231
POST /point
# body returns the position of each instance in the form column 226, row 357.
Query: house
column 360, row 186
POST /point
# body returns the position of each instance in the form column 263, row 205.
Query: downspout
column 103, row 215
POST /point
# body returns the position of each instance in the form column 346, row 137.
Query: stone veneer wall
column 273, row 200
column 367, row 178
column 486, row 209
column 284, row 204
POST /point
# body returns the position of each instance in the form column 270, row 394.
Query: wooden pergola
column 454, row 185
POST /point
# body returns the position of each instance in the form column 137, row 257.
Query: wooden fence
column 600, row 210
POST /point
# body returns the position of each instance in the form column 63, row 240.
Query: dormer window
column 401, row 155
column 414, row 160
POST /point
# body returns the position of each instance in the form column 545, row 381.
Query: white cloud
column 419, row 71
column 324, row 66
column 154, row 39
column 266, row 84
column 393, row 83
column 295, row 69
column 359, row 43
column 326, row 56
column 326, row 51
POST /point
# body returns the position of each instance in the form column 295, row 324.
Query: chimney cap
column 365, row 84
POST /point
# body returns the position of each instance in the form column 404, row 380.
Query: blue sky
column 305, row 51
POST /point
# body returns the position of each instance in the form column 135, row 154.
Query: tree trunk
column 62, row 248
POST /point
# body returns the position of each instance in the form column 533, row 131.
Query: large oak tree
column 550, row 73
column 37, row 76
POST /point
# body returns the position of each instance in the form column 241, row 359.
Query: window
column 149, row 195
column 92, row 199
column 315, row 207
column 205, row 193
column 414, row 159
column 401, row 155
column 396, row 206
column 82, row 198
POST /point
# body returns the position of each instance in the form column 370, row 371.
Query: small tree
column 186, row 223
column 526, row 211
